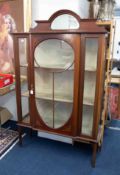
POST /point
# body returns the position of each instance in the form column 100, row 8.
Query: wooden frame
column 76, row 38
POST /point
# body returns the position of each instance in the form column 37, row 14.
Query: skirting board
column 55, row 137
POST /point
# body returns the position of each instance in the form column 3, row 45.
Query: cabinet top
column 66, row 21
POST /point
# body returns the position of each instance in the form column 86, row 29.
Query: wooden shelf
column 106, row 22
column 115, row 76
column 114, row 80
column 115, row 60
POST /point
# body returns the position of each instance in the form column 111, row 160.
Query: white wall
column 43, row 9
column 116, row 48
column 117, row 5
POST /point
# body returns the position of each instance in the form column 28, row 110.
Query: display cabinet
column 63, row 62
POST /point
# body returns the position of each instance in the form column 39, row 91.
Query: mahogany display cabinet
column 62, row 63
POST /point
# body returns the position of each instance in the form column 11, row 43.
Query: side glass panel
column 91, row 52
column 65, row 21
column 54, row 70
column 22, row 44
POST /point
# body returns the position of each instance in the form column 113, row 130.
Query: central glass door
column 54, row 80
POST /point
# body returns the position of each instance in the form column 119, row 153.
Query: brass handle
column 31, row 92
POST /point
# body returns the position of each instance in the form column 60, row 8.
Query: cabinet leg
column 31, row 132
column 94, row 154
column 20, row 135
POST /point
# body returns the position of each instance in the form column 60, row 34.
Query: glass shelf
column 26, row 119
column 90, row 69
column 56, row 67
column 59, row 97
column 24, row 65
column 48, row 96
column 88, row 101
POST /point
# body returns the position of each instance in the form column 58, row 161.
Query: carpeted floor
column 40, row 156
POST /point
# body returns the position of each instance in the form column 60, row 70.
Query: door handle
column 31, row 90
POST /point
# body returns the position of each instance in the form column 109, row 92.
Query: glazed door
column 92, row 72
column 54, row 64
column 21, row 55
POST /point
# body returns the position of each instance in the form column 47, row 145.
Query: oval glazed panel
column 54, row 77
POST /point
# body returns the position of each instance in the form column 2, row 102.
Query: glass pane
column 22, row 43
column 89, row 88
column 62, row 112
column 54, row 54
column 63, row 96
column 54, row 65
column 91, row 52
column 45, row 109
column 87, row 122
column 23, row 51
column 65, row 21
column 44, row 95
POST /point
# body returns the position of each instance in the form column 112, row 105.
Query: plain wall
column 43, row 9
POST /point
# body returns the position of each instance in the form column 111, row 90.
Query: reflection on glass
column 23, row 51
column 54, row 54
column 65, row 21
column 54, row 63
column 91, row 51
column 91, row 54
